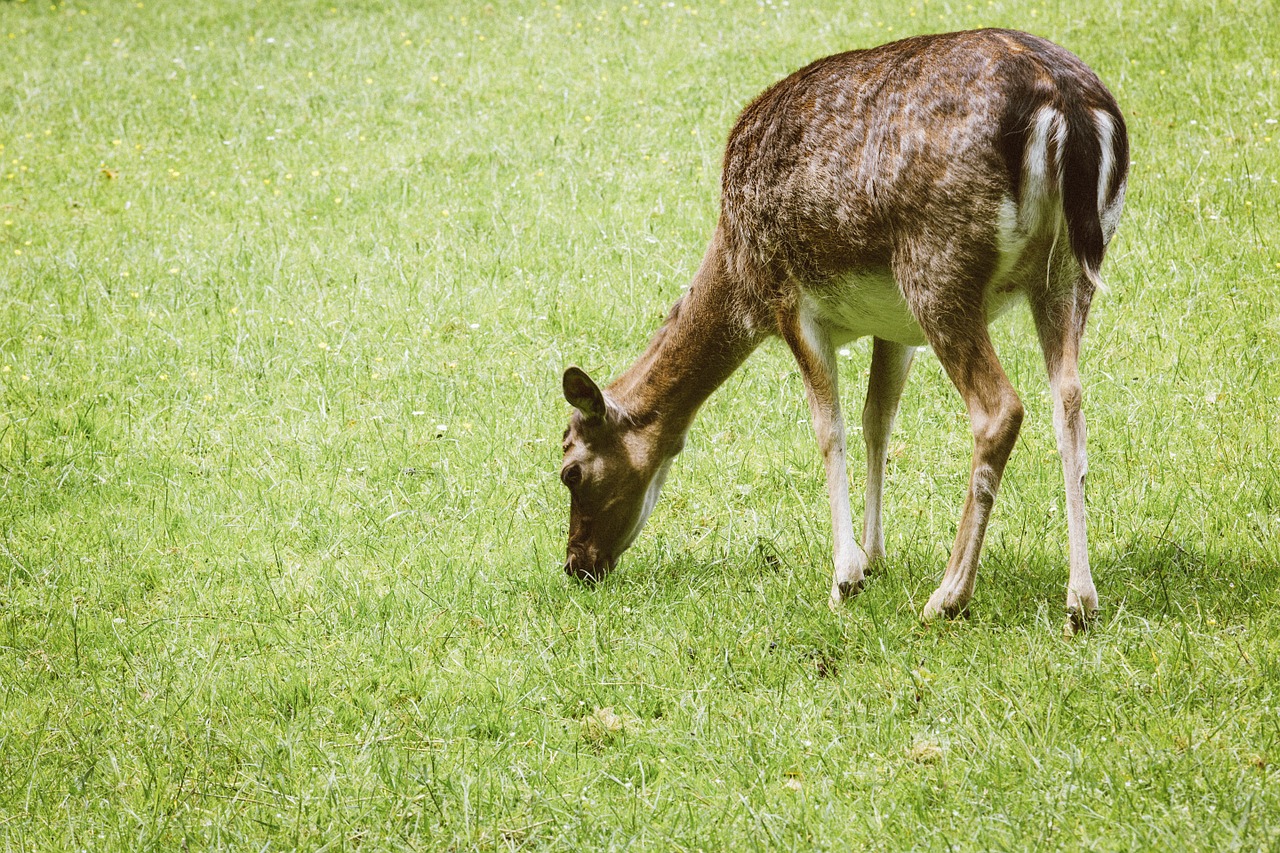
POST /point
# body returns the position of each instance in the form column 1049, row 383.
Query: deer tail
column 1093, row 164
column 1067, row 150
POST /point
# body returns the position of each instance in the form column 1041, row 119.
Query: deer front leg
column 815, row 355
column 890, row 364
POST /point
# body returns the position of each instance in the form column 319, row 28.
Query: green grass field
column 286, row 289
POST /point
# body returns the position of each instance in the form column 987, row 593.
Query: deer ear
column 584, row 394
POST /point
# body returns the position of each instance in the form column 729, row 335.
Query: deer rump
column 949, row 151
column 909, row 193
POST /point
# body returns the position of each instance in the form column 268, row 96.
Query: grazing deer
column 908, row 192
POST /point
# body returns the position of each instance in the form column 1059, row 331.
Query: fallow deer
column 909, row 192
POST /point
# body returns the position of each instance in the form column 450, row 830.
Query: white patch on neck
column 650, row 501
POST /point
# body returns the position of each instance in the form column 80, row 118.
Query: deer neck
column 706, row 337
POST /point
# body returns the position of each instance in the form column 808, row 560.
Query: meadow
column 286, row 289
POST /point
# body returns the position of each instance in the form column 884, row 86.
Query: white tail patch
column 1109, row 214
column 1042, row 169
column 1107, row 164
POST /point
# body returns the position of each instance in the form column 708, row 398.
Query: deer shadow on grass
column 1164, row 578
column 1157, row 578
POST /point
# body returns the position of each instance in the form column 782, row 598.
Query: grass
column 285, row 292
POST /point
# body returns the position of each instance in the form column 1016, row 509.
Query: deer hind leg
column 815, row 355
column 1060, row 320
column 890, row 363
column 995, row 413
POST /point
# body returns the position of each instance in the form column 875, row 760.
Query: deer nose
column 579, row 573
column 581, row 567
column 575, row 567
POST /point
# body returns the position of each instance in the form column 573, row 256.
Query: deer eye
column 571, row 476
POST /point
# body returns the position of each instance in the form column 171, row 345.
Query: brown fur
column 900, row 192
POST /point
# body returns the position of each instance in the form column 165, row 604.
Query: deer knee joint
column 1071, row 396
column 1012, row 414
column 998, row 430
column 830, row 437
column 986, row 482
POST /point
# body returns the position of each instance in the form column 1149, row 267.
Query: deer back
column 854, row 161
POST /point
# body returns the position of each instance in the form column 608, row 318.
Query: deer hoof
column 1078, row 621
column 1082, row 609
column 943, row 605
column 842, row 591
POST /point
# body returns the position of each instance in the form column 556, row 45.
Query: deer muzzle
column 587, row 566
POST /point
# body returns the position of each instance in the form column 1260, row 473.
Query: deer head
column 614, row 470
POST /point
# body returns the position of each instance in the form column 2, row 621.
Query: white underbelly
column 864, row 304
column 871, row 304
